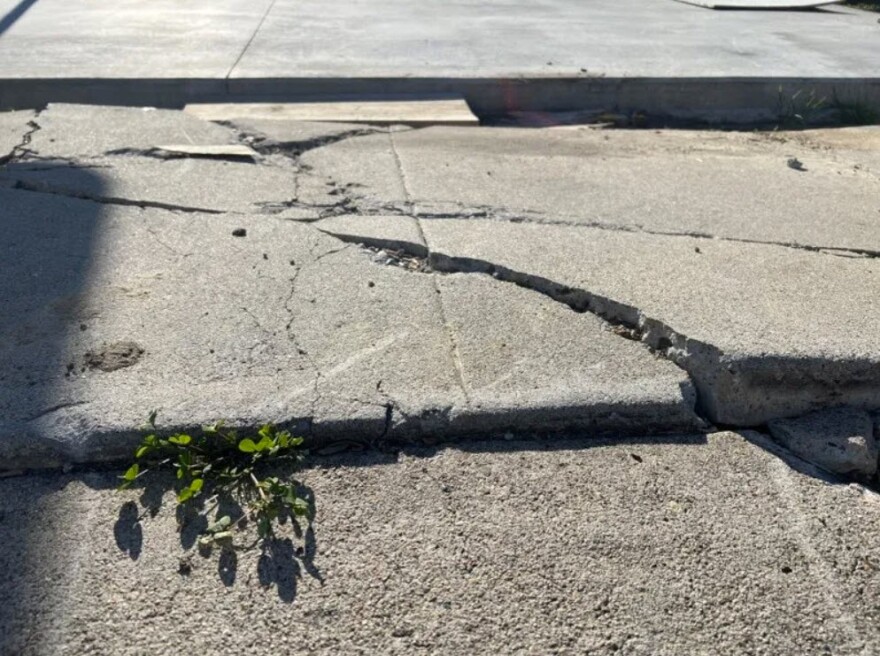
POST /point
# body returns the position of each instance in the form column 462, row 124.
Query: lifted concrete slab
column 111, row 310
column 674, row 546
column 716, row 185
column 413, row 112
column 768, row 310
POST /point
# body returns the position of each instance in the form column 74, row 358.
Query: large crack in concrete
column 738, row 393
column 20, row 150
column 43, row 188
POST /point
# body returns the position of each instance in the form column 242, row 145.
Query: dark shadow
column 282, row 560
column 227, row 567
column 127, row 530
column 14, row 14
column 47, row 256
column 279, row 567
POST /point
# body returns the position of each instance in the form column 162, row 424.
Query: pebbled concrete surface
column 839, row 439
column 699, row 544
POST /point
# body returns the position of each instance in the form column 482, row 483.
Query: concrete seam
column 248, row 44
column 455, row 351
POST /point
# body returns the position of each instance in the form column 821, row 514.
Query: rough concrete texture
column 122, row 294
column 13, row 128
column 81, row 131
column 239, row 289
column 839, row 439
column 693, row 545
column 768, row 310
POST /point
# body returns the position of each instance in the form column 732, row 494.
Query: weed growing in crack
column 221, row 471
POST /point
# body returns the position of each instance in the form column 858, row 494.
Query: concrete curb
column 713, row 99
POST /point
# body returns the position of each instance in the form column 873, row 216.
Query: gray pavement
column 688, row 545
column 738, row 267
column 659, row 56
column 337, row 281
column 374, row 286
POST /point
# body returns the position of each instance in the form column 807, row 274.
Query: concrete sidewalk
column 438, row 295
column 683, row 545
column 659, row 56
column 336, row 280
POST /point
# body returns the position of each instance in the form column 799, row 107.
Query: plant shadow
column 284, row 558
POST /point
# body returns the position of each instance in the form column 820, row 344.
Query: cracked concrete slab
column 764, row 331
column 13, row 127
column 111, row 311
column 647, row 546
column 85, row 131
column 720, row 185
column 186, row 184
column 281, row 324
column 529, row 362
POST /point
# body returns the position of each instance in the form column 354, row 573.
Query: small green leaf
column 266, row 431
column 184, row 495
column 182, row 439
column 179, row 473
column 300, row 507
column 247, row 445
column 265, row 444
column 132, row 472
column 197, row 484
column 220, row 525
column 142, row 451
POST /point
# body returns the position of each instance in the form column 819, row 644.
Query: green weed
column 220, row 469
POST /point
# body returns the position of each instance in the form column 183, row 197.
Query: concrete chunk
column 452, row 111
column 530, row 363
column 839, row 439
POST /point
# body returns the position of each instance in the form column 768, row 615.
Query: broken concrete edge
column 24, row 447
column 739, row 392
column 28, row 130
column 725, row 100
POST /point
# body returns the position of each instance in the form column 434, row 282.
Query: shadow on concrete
column 282, row 560
column 47, row 257
column 14, row 14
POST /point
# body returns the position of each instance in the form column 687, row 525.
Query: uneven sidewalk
column 680, row 545
column 388, row 284
column 134, row 281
